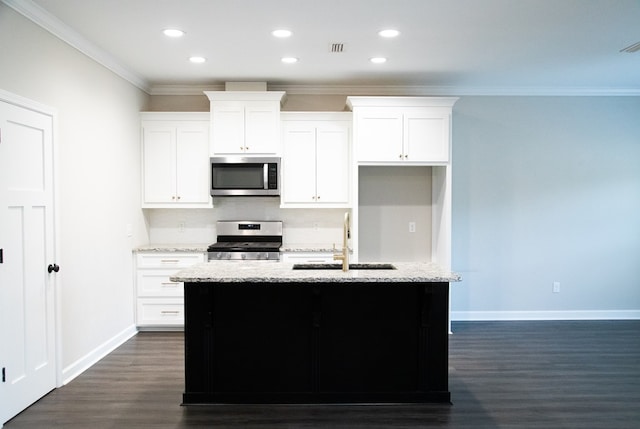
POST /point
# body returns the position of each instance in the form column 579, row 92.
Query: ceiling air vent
column 336, row 47
column 631, row 48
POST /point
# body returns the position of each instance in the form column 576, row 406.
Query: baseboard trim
column 460, row 316
column 87, row 361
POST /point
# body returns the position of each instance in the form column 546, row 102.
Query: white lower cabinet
column 159, row 301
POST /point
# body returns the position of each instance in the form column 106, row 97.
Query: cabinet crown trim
column 320, row 116
column 175, row 116
column 246, row 95
column 401, row 102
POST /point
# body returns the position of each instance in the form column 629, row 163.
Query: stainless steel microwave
column 245, row 176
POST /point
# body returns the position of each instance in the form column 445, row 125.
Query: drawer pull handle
column 170, row 312
column 169, row 261
column 170, row 284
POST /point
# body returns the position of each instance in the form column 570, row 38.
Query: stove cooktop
column 245, row 246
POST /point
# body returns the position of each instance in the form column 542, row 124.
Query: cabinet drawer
column 168, row 260
column 160, row 312
column 308, row 258
column 157, row 283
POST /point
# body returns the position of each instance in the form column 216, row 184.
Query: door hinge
column 4, row 378
column 1, row 256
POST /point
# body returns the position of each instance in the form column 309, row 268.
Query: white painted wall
column 98, row 171
column 546, row 189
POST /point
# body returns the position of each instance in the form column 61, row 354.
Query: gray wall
column 546, row 189
column 97, row 137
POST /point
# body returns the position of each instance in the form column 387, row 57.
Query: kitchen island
column 264, row 332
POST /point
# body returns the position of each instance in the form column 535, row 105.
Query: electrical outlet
column 556, row 287
column 182, row 226
column 412, row 227
column 316, row 226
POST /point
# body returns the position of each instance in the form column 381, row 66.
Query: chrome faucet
column 344, row 256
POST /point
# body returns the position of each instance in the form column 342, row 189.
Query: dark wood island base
column 290, row 342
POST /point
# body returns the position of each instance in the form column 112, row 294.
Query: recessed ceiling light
column 197, row 60
column 378, row 60
column 281, row 33
column 173, row 32
column 388, row 33
column 289, row 60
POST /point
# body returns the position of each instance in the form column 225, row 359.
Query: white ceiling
column 445, row 46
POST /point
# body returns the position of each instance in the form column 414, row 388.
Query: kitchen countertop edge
column 281, row 272
column 159, row 248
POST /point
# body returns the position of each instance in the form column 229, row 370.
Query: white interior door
column 27, row 328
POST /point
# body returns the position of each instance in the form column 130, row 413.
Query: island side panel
column 434, row 332
column 316, row 342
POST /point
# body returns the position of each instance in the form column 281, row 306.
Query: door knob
column 54, row 267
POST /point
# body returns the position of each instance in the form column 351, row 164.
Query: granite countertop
column 169, row 247
column 172, row 248
column 281, row 272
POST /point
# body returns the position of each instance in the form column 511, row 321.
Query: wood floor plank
column 568, row 374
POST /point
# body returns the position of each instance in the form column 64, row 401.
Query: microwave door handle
column 265, row 176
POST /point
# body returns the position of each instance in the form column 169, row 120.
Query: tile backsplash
column 301, row 227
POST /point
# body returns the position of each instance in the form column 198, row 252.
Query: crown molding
column 44, row 19
column 410, row 90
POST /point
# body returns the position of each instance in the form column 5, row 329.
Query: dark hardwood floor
column 569, row 374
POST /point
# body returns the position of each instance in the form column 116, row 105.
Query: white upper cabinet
column 398, row 130
column 175, row 161
column 245, row 122
column 316, row 159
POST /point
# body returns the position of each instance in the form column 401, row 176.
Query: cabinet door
column 159, row 176
column 426, row 135
column 299, row 163
column 261, row 127
column 379, row 135
column 332, row 163
column 192, row 164
column 227, row 128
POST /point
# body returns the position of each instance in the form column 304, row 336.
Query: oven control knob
column 243, row 256
column 219, row 255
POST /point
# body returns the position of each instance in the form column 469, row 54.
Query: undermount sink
column 360, row 266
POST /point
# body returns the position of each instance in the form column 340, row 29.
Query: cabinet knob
column 406, row 157
column 173, row 197
column 400, row 156
column 178, row 197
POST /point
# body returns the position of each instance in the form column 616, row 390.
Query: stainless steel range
column 251, row 240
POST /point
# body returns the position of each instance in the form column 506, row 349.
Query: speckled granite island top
column 281, row 272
